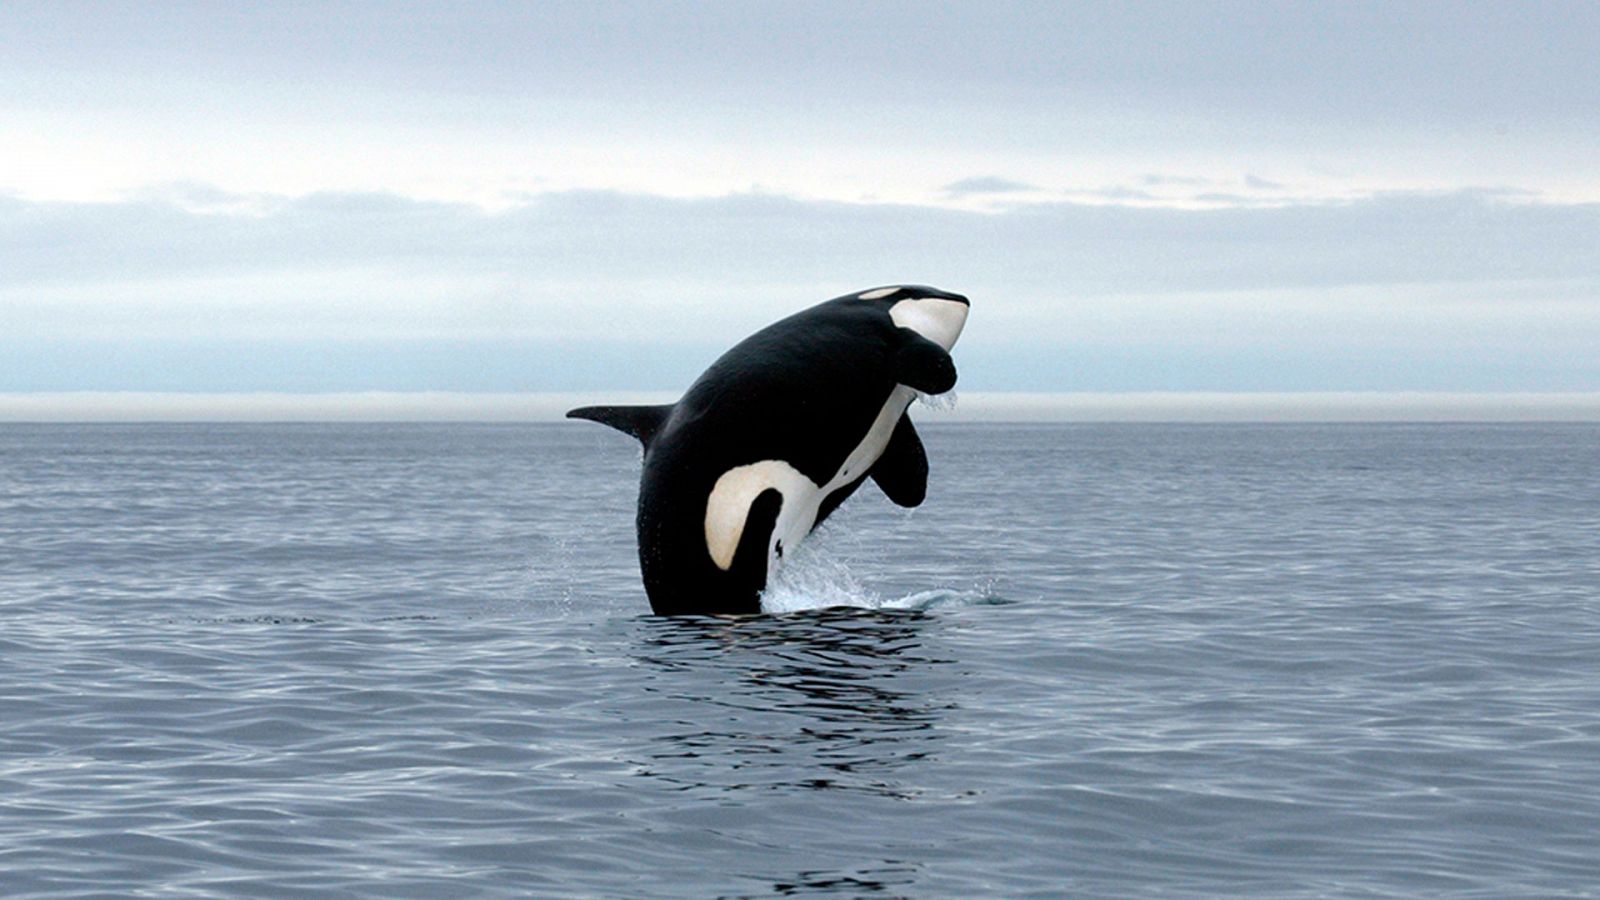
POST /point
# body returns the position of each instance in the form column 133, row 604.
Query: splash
column 813, row 578
column 945, row 402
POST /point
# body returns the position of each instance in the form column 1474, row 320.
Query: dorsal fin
column 640, row 421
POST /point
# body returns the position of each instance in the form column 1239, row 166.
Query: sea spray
column 945, row 402
column 813, row 578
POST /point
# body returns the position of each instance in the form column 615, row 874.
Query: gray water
column 395, row 661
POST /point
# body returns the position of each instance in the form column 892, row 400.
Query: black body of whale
column 776, row 434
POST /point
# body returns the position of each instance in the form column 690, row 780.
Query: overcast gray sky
column 590, row 196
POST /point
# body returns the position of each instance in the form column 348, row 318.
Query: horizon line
column 88, row 407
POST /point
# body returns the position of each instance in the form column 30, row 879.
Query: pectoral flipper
column 902, row 471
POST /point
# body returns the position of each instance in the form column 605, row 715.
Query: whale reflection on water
column 836, row 699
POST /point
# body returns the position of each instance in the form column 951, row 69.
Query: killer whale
column 779, row 431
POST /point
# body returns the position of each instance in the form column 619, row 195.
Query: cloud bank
column 1465, row 290
column 831, row 100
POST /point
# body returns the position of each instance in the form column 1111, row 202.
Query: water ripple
column 410, row 661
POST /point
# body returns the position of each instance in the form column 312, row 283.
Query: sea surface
column 416, row 661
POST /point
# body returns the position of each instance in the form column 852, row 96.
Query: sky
column 592, row 197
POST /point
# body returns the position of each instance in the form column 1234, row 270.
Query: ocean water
column 393, row 661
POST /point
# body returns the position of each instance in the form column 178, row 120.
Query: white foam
column 945, row 402
column 811, row 578
column 816, row 579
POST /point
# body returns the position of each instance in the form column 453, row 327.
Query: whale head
column 936, row 315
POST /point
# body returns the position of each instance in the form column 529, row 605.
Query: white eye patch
column 877, row 294
column 937, row 320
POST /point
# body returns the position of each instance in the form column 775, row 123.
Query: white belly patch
column 729, row 503
column 728, row 506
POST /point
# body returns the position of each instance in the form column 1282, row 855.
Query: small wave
column 941, row 598
column 293, row 619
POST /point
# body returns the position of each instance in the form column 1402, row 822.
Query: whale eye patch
column 878, row 294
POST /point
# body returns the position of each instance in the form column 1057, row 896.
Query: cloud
column 1459, row 290
column 1256, row 182
column 825, row 100
column 613, row 239
column 1224, row 198
column 986, row 184
column 1293, row 58
column 303, row 151
column 1158, row 179
column 1117, row 193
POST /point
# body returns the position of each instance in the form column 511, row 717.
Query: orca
column 778, row 432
